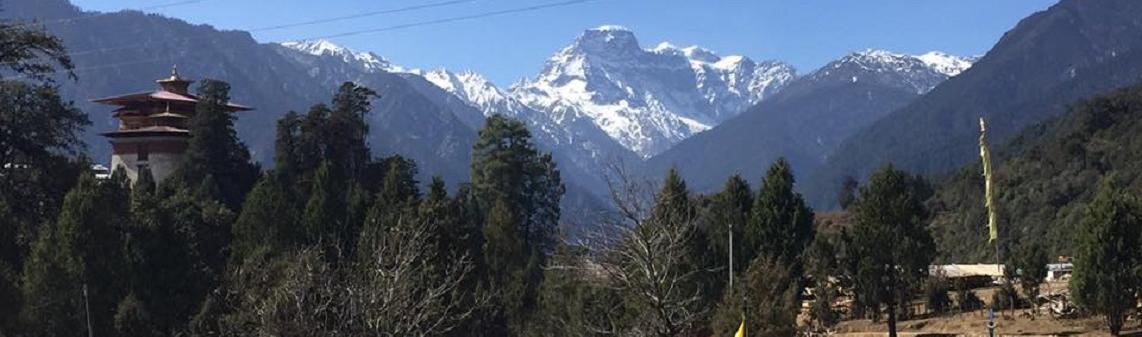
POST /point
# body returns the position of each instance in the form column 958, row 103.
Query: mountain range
column 605, row 98
column 1048, row 61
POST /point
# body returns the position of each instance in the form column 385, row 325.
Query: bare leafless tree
column 406, row 288
column 647, row 259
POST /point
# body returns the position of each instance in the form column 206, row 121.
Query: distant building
column 1059, row 271
column 101, row 172
column 153, row 130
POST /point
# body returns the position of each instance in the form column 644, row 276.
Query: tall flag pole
column 989, row 189
column 731, row 255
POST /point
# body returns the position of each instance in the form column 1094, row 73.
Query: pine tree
column 82, row 249
column 1031, row 262
column 1106, row 279
column 324, row 213
column 267, row 221
column 782, row 225
column 767, row 298
column 891, row 246
column 39, row 129
column 506, row 257
column 346, row 146
column 731, row 208
column 507, row 169
column 287, row 160
column 214, row 151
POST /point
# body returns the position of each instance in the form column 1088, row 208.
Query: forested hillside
column 1047, row 176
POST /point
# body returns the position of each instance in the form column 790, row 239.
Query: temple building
column 153, row 127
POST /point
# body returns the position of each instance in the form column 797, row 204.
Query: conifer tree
column 214, row 151
column 731, row 209
column 158, row 265
column 325, row 212
column 288, row 163
column 82, row 249
column 267, row 221
column 782, row 224
column 346, row 146
column 38, row 128
column 1106, row 279
column 891, row 246
column 767, row 299
column 507, row 258
column 1031, row 262
column 507, row 169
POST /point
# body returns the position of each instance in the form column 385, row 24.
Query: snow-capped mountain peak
column 325, row 48
column 647, row 99
column 946, row 64
column 918, row 73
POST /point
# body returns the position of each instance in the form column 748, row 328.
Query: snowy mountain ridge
column 647, row 99
column 605, row 97
column 366, row 61
column 919, row 73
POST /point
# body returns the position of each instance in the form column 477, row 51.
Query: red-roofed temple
column 153, row 127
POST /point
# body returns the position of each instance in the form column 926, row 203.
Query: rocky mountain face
column 647, row 99
column 809, row 117
column 1048, row 61
column 604, row 99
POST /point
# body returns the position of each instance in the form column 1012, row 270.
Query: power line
column 454, row 19
column 292, row 25
column 361, row 15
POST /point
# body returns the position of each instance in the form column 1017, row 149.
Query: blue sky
column 806, row 33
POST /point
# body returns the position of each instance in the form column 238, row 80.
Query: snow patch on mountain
column 946, row 64
column 647, row 99
column 366, row 61
column 917, row 73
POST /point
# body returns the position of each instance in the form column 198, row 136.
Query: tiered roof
column 159, row 112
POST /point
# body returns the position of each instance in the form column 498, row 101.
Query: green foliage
column 574, row 300
column 782, row 225
column 1031, row 262
column 891, row 245
column 324, row 217
column 731, row 209
column 767, row 298
column 823, row 267
column 80, row 252
column 133, row 319
column 214, row 152
column 520, row 189
column 268, row 220
column 31, row 52
column 37, row 129
column 346, row 146
column 1109, row 253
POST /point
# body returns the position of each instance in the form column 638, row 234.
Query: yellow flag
column 989, row 184
column 741, row 330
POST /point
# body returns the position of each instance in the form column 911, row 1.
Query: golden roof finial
column 174, row 75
